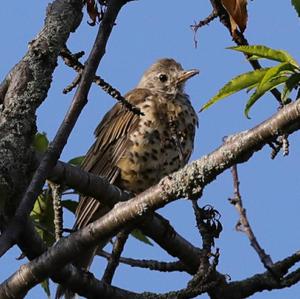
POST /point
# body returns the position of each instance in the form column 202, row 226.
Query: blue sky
column 146, row 31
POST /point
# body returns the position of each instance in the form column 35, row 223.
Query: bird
column 135, row 151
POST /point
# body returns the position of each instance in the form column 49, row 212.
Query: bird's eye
column 163, row 78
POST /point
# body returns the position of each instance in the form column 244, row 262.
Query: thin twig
column 243, row 224
column 114, row 259
column 149, row 264
column 72, row 61
column 58, row 211
column 73, row 84
column 202, row 23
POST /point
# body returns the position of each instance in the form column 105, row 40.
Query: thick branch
column 261, row 282
column 53, row 152
column 187, row 182
column 154, row 225
column 21, row 92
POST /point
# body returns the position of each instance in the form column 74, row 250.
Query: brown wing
column 112, row 139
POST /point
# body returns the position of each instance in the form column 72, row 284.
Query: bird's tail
column 85, row 260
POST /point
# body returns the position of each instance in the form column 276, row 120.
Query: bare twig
column 149, row 264
column 114, row 259
column 57, row 208
column 54, row 150
column 72, row 61
column 202, row 23
column 205, row 21
column 73, row 84
column 243, row 223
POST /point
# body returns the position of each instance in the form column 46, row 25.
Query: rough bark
column 21, row 93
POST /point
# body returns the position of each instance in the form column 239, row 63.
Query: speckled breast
column 162, row 143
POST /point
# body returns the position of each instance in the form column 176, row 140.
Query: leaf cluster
column 286, row 73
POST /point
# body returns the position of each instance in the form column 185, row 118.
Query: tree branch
column 21, row 92
column 261, row 282
column 54, row 150
column 243, row 224
column 187, row 182
column 114, row 258
column 149, row 264
column 72, row 60
column 155, row 226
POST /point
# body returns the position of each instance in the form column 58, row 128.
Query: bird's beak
column 185, row 75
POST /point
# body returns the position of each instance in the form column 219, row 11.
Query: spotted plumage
column 135, row 152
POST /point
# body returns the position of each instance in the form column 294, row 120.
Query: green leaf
column 42, row 215
column 281, row 69
column 46, row 288
column 260, row 51
column 70, row 205
column 259, row 93
column 238, row 83
column 291, row 83
column 76, row 161
column 296, row 4
column 136, row 233
column 40, row 142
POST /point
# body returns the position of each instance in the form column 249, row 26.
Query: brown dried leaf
column 237, row 10
column 92, row 10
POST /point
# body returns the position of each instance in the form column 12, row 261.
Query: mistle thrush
column 134, row 152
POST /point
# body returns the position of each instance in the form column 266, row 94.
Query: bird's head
column 167, row 76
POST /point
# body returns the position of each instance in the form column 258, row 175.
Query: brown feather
column 134, row 152
column 112, row 140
